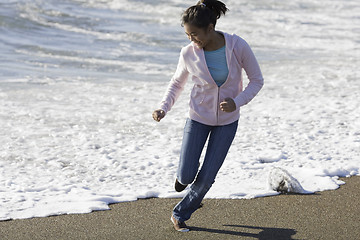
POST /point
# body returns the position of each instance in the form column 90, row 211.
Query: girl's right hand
column 158, row 115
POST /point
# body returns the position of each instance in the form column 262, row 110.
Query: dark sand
column 324, row 215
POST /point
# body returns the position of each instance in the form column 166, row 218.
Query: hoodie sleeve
column 246, row 57
column 176, row 85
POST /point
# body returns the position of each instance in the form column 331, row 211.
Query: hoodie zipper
column 218, row 105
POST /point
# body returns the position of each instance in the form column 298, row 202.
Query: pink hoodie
column 206, row 95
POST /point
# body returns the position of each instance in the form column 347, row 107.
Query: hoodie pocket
column 197, row 95
column 202, row 98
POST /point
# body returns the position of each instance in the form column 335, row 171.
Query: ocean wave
column 79, row 80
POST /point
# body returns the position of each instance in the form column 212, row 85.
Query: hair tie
column 203, row 4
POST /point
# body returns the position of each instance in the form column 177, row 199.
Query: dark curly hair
column 204, row 13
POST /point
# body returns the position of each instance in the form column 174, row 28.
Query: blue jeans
column 195, row 136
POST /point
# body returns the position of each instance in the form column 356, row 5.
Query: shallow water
column 80, row 79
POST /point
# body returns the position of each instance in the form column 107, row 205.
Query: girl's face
column 200, row 36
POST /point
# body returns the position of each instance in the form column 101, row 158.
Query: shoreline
column 331, row 214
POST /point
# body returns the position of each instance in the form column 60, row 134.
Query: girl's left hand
column 228, row 105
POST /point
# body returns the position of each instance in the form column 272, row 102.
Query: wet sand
column 324, row 215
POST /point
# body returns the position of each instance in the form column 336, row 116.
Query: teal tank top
column 216, row 63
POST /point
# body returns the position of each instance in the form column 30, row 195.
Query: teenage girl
column 213, row 61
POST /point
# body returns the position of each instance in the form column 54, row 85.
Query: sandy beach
column 324, row 215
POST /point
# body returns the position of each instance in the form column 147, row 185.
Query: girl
column 213, row 61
